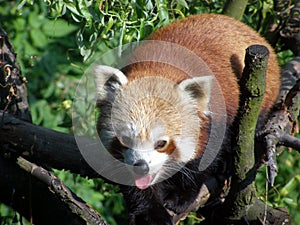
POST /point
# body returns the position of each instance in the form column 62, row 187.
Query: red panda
column 155, row 114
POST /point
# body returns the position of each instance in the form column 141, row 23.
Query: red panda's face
column 150, row 123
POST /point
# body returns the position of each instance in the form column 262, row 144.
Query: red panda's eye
column 160, row 144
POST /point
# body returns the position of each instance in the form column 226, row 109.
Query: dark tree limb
column 16, row 136
column 32, row 198
column 290, row 142
column 281, row 12
column 75, row 205
column 285, row 27
column 43, row 146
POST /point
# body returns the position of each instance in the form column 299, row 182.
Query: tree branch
column 32, row 198
column 75, row 205
column 290, row 142
column 282, row 121
column 43, row 146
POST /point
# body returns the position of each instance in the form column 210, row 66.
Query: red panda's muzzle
column 141, row 167
column 142, row 178
column 144, row 164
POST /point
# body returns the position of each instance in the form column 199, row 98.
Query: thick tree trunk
column 243, row 193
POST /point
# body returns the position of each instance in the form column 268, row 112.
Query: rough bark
column 79, row 210
column 13, row 91
column 242, row 193
column 32, row 198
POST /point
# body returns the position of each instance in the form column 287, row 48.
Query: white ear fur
column 199, row 90
column 108, row 80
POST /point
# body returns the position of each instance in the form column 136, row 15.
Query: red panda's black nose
column 141, row 168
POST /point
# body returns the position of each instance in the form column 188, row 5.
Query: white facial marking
column 186, row 146
column 154, row 159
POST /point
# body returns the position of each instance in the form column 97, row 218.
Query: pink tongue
column 143, row 182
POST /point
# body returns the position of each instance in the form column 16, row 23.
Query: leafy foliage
column 57, row 39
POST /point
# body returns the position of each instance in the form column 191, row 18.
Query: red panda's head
column 151, row 123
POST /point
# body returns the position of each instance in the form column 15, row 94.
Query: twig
column 290, row 141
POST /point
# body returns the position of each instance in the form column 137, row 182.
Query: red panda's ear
column 199, row 90
column 108, row 81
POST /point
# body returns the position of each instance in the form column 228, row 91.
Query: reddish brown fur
column 221, row 42
column 170, row 149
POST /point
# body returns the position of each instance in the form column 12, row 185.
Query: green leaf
column 76, row 18
column 142, row 29
column 183, row 3
column 290, row 186
column 58, row 28
column 38, row 38
column 84, row 10
column 72, row 7
column 29, row 49
column 109, row 24
column 49, row 91
column 34, row 20
column 19, row 24
column 163, row 12
column 21, row 4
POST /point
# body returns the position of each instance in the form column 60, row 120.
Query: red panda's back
column 221, row 42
